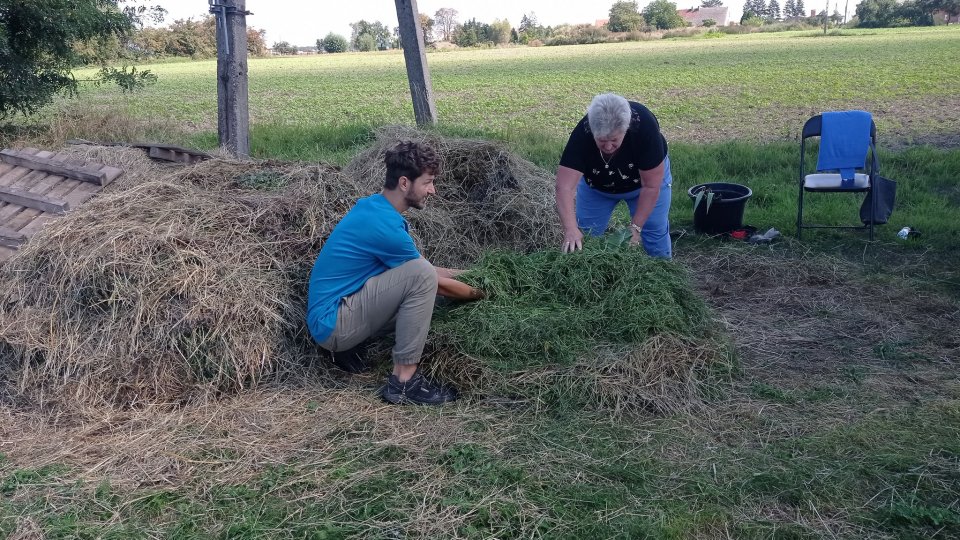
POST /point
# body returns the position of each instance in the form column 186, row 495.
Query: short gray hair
column 608, row 114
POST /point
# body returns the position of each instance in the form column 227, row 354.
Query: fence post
column 414, row 55
column 233, row 116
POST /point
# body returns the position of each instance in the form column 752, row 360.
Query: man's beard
column 416, row 203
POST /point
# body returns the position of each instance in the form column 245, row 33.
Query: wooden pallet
column 156, row 151
column 36, row 186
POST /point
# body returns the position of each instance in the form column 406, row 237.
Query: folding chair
column 854, row 173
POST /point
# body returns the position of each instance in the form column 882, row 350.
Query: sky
column 302, row 22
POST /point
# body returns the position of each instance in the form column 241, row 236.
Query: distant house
column 696, row 16
column 601, row 23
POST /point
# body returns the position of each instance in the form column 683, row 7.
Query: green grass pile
column 608, row 327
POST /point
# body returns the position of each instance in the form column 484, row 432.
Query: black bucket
column 726, row 209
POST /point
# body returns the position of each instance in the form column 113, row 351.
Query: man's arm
column 566, row 193
column 448, row 272
column 650, row 182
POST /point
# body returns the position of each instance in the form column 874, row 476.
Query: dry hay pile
column 162, row 291
column 487, row 198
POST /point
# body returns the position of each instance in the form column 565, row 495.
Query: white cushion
column 833, row 181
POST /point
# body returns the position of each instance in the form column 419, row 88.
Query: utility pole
column 826, row 11
column 415, row 57
column 233, row 116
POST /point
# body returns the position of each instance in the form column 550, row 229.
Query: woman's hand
column 572, row 241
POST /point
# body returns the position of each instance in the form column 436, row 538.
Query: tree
column 789, row 9
column 800, row 10
column 284, row 47
column 757, row 8
column 625, row 17
column 707, row 23
column 951, row 7
column 888, row 13
column 382, row 37
column 37, row 48
column 472, row 33
column 256, row 42
column 500, row 31
column 365, row 43
column 445, row 20
column 711, row 3
column 426, row 27
column 663, row 15
column 773, row 10
column 333, row 43
column 530, row 28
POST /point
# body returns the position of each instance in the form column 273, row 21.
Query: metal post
column 411, row 38
column 233, row 117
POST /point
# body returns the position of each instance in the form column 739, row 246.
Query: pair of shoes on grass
column 417, row 390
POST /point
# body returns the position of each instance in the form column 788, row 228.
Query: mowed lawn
column 841, row 420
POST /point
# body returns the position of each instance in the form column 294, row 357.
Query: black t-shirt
column 643, row 149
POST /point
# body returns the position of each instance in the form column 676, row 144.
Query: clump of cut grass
column 607, row 325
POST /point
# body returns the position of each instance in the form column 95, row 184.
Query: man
column 616, row 153
column 369, row 279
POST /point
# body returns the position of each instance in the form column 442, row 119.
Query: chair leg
column 800, row 213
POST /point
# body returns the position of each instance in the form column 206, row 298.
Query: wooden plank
column 111, row 173
column 44, row 164
column 52, row 186
column 13, row 174
column 36, row 223
column 6, row 253
column 17, row 178
column 176, row 156
column 27, row 199
column 71, row 191
column 33, row 176
column 11, row 238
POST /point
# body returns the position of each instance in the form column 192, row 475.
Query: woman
column 616, row 153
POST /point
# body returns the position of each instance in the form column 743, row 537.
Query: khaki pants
column 399, row 300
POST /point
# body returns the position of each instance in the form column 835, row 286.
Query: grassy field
column 842, row 419
column 752, row 87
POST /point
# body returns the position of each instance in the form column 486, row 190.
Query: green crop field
column 839, row 418
column 748, row 87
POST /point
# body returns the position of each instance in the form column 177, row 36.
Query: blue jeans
column 594, row 209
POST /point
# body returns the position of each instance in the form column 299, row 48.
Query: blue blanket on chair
column 844, row 140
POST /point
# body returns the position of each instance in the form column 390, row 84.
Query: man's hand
column 634, row 236
column 457, row 290
column 572, row 241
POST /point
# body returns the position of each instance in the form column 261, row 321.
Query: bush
column 709, row 22
column 333, row 43
column 366, row 43
column 683, row 33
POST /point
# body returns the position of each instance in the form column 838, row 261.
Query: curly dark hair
column 410, row 159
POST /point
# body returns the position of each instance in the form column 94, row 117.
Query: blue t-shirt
column 371, row 239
